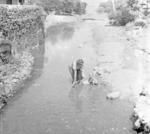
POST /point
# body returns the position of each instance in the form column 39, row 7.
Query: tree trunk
column 114, row 7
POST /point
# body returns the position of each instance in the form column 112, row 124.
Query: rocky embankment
column 21, row 32
column 139, row 38
column 13, row 74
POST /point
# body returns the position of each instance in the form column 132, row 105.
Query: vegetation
column 20, row 28
column 62, row 6
column 126, row 11
column 17, row 21
column 105, row 7
column 122, row 17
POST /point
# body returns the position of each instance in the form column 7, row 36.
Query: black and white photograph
column 74, row 66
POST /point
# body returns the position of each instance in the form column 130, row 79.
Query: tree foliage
column 126, row 11
column 62, row 6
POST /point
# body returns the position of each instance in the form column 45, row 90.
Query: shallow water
column 48, row 104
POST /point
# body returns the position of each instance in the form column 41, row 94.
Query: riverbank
column 23, row 27
column 14, row 74
column 21, row 69
column 116, row 60
column 123, row 61
column 131, row 76
column 142, row 102
column 20, row 72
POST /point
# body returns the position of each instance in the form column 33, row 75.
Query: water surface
column 48, row 104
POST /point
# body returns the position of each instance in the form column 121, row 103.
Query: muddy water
column 48, row 104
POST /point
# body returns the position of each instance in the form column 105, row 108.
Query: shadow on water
column 63, row 31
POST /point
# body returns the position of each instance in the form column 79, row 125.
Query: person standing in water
column 76, row 71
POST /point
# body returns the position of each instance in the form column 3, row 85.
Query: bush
column 17, row 22
column 79, row 8
column 105, row 7
column 122, row 17
column 24, row 28
column 133, row 5
column 62, row 6
column 126, row 11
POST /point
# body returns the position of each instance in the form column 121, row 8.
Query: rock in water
column 85, row 82
column 92, row 81
column 80, row 46
column 113, row 95
column 97, row 71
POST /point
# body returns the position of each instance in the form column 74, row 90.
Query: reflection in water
column 74, row 96
column 93, row 94
column 63, row 31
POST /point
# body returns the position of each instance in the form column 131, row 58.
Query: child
column 76, row 71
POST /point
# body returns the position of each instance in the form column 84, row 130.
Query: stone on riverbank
column 142, row 114
column 92, row 80
column 113, row 95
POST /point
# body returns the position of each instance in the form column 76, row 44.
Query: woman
column 76, row 71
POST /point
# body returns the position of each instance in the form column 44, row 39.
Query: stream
column 48, row 105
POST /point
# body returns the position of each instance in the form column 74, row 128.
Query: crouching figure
column 76, row 71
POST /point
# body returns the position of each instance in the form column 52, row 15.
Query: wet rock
column 113, row 95
column 86, row 82
column 92, row 80
column 145, row 91
column 97, row 71
column 137, row 124
column 141, row 115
